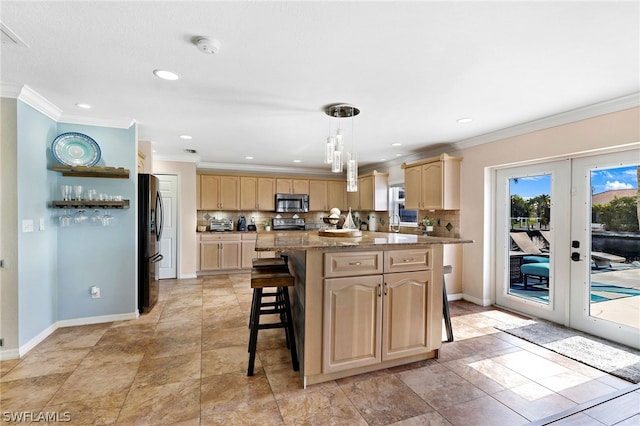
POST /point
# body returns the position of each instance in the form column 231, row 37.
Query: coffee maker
column 242, row 224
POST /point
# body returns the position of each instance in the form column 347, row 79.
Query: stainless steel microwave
column 292, row 203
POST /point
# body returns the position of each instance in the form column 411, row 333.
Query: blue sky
column 601, row 180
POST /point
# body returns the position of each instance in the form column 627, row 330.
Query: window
column 396, row 207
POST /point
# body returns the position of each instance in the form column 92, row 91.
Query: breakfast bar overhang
column 362, row 304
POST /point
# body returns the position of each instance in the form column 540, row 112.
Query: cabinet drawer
column 407, row 260
column 352, row 263
column 219, row 237
column 251, row 236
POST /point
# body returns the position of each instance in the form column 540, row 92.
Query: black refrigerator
column 150, row 222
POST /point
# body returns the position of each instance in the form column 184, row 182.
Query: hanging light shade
column 334, row 149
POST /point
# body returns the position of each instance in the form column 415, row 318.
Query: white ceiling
column 413, row 69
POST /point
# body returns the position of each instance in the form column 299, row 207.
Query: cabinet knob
column 355, row 263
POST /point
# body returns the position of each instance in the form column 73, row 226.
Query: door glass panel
column 530, row 237
column 615, row 245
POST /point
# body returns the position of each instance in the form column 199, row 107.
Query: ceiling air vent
column 190, row 151
column 9, row 37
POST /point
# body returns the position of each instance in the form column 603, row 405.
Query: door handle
column 575, row 256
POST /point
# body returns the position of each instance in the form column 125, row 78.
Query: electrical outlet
column 95, row 292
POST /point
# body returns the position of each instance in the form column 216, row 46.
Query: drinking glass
column 92, row 194
column 96, row 217
column 80, row 216
column 106, row 218
column 77, row 190
column 66, row 192
column 65, row 219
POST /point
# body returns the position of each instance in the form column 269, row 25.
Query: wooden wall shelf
column 100, row 172
column 86, row 204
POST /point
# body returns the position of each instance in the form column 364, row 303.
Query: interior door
column 168, row 241
column 605, row 268
column 532, row 219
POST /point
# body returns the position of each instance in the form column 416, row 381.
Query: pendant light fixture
column 334, row 148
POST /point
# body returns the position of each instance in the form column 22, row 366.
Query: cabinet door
column 353, row 199
column 337, row 194
column 351, row 325
column 366, row 191
column 247, row 253
column 318, row 195
column 412, row 188
column 230, row 255
column 431, row 185
column 300, row 186
column 266, row 192
column 405, row 324
column 209, row 192
column 283, row 186
column 209, row 256
column 229, row 192
column 248, row 193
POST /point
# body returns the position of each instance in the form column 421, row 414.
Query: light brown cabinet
column 326, row 194
column 219, row 192
column 433, row 184
column 220, row 252
column 292, row 186
column 257, row 193
column 248, row 251
column 369, row 319
column 372, row 194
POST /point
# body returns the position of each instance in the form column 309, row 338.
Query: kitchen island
column 365, row 303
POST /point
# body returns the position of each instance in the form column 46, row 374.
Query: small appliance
column 220, row 225
column 288, row 223
column 242, row 224
column 292, row 203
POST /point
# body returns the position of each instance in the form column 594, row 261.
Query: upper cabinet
column 373, row 193
column 292, row 186
column 219, row 192
column 326, row 194
column 257, row 193
column 433, row 184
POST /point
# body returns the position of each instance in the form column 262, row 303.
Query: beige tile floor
column 185, row 363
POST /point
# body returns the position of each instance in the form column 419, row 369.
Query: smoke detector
column 207, row 45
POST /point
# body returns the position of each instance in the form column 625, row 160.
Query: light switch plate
column 42, row 224
column 27, row 225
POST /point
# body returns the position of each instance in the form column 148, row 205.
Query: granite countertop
column 310, row 240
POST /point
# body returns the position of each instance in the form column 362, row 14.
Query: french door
column 566, row 246
column 531, row 221
column 605, row 272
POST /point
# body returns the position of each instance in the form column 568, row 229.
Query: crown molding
column 583, row 113
column 260, row 168
column 39, row 103
column 177, row 158
column 95, row 121
column 571, row 116
column 10, row 90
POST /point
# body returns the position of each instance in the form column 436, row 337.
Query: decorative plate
column 75, row 149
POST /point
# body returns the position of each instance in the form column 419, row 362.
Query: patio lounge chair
column 524, row 243
column 604, row 259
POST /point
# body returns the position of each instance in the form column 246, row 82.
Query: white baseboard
column 18, row 353
column 481, row 302
column 452, row 297
column 9, row 354
column 188, row 276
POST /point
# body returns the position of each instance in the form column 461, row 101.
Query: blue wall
column 37, row 254
column 57, row 266
column 95, row 255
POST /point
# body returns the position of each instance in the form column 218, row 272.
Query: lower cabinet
column 374, row 318
column 220, row 252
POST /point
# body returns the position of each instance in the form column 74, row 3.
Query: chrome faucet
column 391, row 225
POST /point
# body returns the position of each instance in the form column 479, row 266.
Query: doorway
column 567, row 245
column 169, row 240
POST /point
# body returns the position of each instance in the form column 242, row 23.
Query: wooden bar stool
column 280, row 278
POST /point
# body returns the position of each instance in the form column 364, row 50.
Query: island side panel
column 298, row 268
column 313, row 313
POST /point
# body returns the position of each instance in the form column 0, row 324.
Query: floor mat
column 610, row 357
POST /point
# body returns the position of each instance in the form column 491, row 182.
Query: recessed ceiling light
column 248, row 157
column 83, row 106
column 166, row 75
column 396, row 144
column 296, row 161
column 398, row 155
column 464, row 120
column 186, row 137
column 383, row 159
